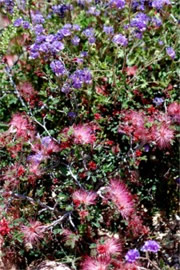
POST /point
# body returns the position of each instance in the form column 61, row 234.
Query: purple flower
column 158, row 4
column 37, row 18
column 18, row 22
column 76, row 27
column 58, row 68
column 75, row 40
column 132, row 255
column 26, row 25
column 89, row 32
column 151, row 246
column 56, row 46
column 36, row 158
column 158, row 101
column 170, row 51
column 109, row 30
column 92, row 40
column 84, row 54
column 117, row 3
column 79, row 77
column 140, row 22
column 138, row 5
column 156, row 21
column 38, row 29
column 93, row 11
column 65, row 31
column 45, row 141
column 120, row 40
column 66, row 88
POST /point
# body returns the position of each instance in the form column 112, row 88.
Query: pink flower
column 28, row 93
column 34, row 232
column 83, row 197
column 163, row 136
column 21, row 125
column 174, row 111
column 96, row 263
column 83, row 134
column 111, row 246
column 121, row 197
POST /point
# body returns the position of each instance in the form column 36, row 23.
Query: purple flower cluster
column 89, row 33
column 80, row 77
column 120, row 39
column 151, row 246
column 58, row 68
column 109, row 30
column 46, row 44
column 37, row 18
column 132, row 255
column 61, row 9
column 140, row 22
column 20, row 22
column 119, row 4
column 159, row 4
column 8, row 4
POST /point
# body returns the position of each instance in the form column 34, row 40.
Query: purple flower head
column 58, row 68
column 109, row 30
column 36, row 158
column 65, row 32
column 161, row 42
column 38, row 29
column 132, row 255
column 151, row 246
column 56, row 46
column 158, row 101
column 146, row 148
column 93, row 11
column 45, row 141
column 66, row 88
column 40, row 39
column 38, row 18
column 138, row 5
column 92, row 40
column 75, row 40
column 84, row 54
column 117, row 3
column 79, row 77
column 140, row 22
column 170, row 51
column 89, row 32
column 26, row 25
column 120, row 40
column 72, row 114
column 159, row 4
column 76, row 27
column 156, row 21
column 18, row 22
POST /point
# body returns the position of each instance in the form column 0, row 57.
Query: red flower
column 83, row 197
column 138, row 153
column 92, row 165
column 4, row 227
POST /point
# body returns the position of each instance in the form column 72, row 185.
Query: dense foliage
column 89, row 133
